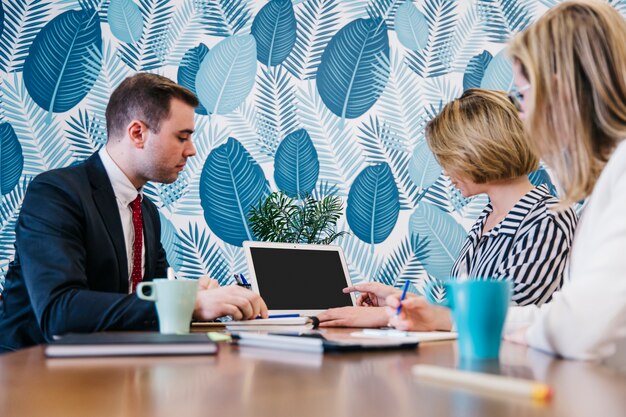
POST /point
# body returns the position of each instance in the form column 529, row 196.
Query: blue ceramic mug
column 479, row 310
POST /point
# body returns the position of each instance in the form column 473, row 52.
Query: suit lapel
column 105, row 201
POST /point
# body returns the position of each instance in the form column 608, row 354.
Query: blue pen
column 243, row 280
column 404, row 289
column 280, row 316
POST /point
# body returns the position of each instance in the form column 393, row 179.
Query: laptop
column 298, row 278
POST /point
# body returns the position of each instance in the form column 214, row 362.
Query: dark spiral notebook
column 130, row 344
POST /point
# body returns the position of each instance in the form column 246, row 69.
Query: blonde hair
column 480, row 135
column 575, row 60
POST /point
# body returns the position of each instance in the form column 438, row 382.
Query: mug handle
column 430, row 289
column 140, row 293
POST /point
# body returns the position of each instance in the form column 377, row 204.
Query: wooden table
column 256, row 382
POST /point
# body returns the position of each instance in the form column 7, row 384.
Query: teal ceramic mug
column 478, row 310
column 175, row 300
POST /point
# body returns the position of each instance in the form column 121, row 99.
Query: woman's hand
column 517, row 336
column 373, row 294
column 353, row 317
column 417, row 315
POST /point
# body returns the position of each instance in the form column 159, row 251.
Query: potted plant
column 280, row 218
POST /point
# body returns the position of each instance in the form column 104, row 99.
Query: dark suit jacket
column 70, row 272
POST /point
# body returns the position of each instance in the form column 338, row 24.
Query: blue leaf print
column 9, row 213
column 146, row 54
column 170, row 241
column 406, row 262
column 445, row 237
column 434, row 59
column 318, row 20
column 231, row 183
column 351, row 75
column 11, row 158
column 276, row 108
column 199, row 257
column 363, row 265
column 1, row 19
column 373, row 204
column 411, row 27
column 475, row 70
column 85, row 134
column 381, row 144
column 22, row 22
column 423, row 167
column 541, row 176
column 55, row 71
column 499, row 73
column 227, row 74
column 274, row 29
column 225, row 17
column 38, row 135
column 504, row 18
column 188, row 70
column 125, row 20
column 296, row 166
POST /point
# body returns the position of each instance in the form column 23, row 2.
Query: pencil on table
column 485, row 382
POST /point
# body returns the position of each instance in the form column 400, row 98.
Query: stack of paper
column 319, row 342
column 402, row 335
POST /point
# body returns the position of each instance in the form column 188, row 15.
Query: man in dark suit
column 81, row 244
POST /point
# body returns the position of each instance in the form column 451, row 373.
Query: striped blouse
column 530, row 246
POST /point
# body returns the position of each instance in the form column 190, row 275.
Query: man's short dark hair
column 145, row 97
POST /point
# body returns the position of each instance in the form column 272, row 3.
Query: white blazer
column 587, row 319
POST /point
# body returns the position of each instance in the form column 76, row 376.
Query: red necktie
column 136, row 276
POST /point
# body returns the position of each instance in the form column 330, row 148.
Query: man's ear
column 137, row 132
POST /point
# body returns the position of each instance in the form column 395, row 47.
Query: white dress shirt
column 125, row 193
column 587, row 319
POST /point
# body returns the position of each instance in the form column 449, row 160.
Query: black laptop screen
column 300, row 279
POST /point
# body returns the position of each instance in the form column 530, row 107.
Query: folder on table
column 130, row 344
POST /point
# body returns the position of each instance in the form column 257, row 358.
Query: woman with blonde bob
column 570, row 73
column 480, row 142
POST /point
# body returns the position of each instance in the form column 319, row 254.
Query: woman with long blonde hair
column 574, row 62
column 570, row 74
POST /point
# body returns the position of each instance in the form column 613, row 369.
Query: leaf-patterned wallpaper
column 303, row 96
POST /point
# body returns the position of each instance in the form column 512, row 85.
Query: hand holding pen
column 404, row 290
column 416, row 314
column 241, row 280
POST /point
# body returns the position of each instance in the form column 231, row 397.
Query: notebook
column 318, row 342
column 130, row 344
column 298, row 324
column 298, row 278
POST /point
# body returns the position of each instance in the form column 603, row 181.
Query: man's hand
column 373, row 294
column 353, row 317
column 205, row 282
column 417, row 315
column 214, row 301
